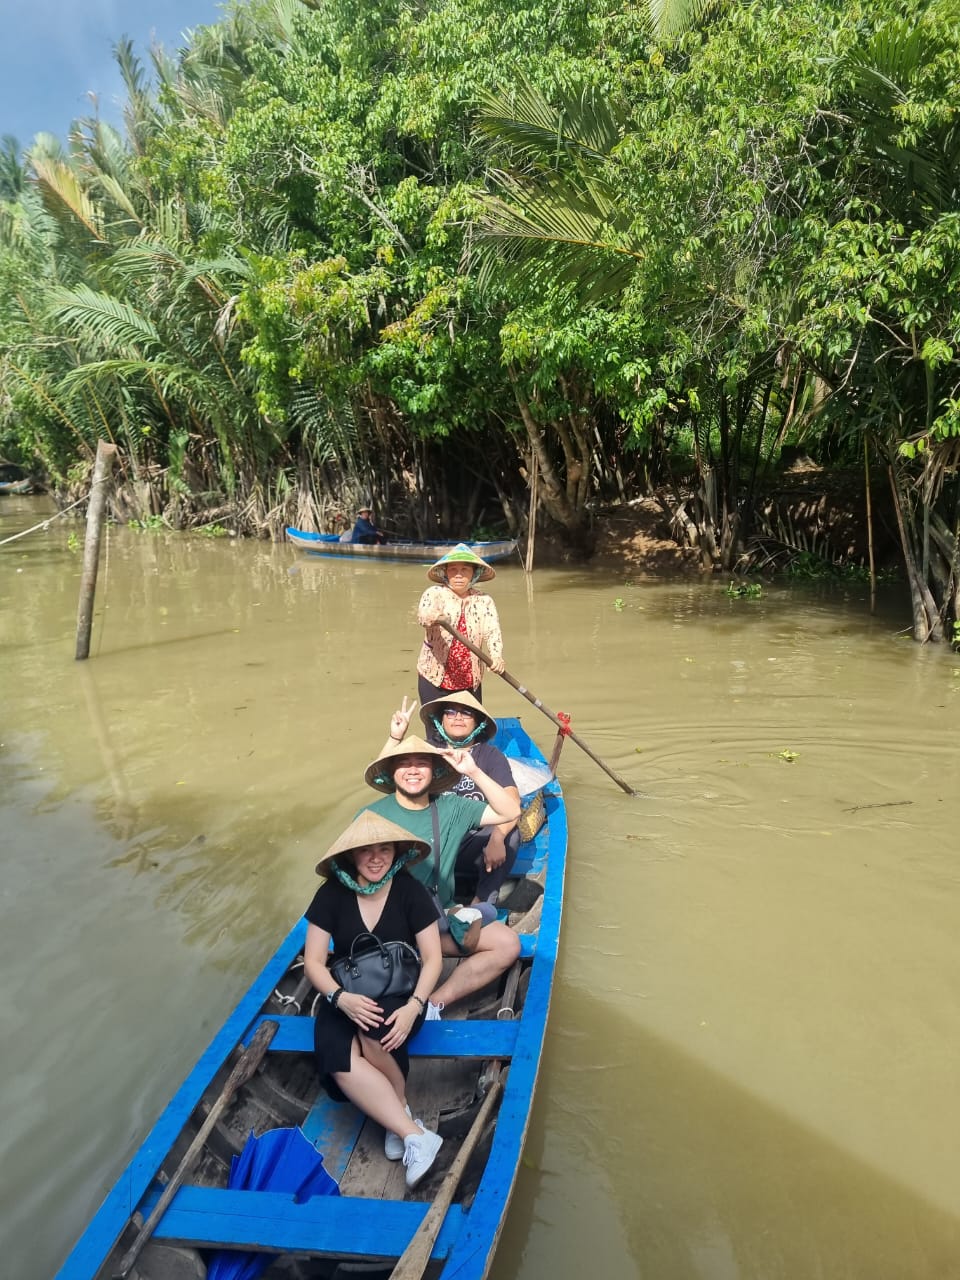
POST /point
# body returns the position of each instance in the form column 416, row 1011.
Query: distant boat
column 17, row 486
column 498, row 1036
column 329, row 544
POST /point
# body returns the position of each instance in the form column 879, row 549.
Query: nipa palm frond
column 569, row 232
column 64, row 194
column 329, row 432
column 540, row 129
column 105, row 322
column 671, row 18
column 874, row 81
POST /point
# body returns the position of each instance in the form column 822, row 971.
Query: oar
column 565, row 729
column 247, row 1064
column 413, row 1261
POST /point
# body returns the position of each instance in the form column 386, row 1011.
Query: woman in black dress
column 360, row 1044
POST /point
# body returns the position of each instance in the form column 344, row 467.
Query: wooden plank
column 368, row 1172
column 480, row 1038
column 333, row 1128
column 324, row 1225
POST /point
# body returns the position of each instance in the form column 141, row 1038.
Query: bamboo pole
column 562, row 725
column 866, row 485
column 96, row 507
column 246, row 1065
column 412, row 1263
column 532, row 518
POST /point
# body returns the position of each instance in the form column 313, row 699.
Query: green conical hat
column 461, row 554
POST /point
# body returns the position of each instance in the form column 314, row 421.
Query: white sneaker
column 433, row 1012
column 468, row 914
column 393, row 1143
column 419, row 1155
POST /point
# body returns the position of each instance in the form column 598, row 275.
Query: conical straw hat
column 431, row 710
column 380, row 773
column 461, row 554
column 371, row 828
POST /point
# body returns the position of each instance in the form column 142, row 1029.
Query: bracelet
column 334, row 997
column 421, row 1003
column 394, row 738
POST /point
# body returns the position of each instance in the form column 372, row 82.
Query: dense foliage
column 420, row 253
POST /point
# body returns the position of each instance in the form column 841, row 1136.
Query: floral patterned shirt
column 482, row 629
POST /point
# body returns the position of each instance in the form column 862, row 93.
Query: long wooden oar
column 561, row 725
column 247, row 1064
column 413, row 1261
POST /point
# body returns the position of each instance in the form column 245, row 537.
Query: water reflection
column 650, row 1164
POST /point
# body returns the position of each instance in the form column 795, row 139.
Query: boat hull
column 373, row 1218
column 328, row 544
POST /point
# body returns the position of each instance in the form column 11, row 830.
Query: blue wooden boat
column 17, row 486
column 328, row 544
column 367, row 1227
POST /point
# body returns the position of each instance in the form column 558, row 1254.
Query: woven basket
column 532, row 818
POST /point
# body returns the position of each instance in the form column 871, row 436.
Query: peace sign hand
column 400, row 721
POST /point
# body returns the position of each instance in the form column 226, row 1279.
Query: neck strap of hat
column 346, row 879
column 468, row 741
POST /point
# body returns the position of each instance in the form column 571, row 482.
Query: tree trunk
column 926, row 618
column 553, row 491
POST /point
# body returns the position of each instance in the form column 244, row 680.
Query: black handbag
column 380, row 970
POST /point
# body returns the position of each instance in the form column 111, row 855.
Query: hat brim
column 469, row 702
column 368, row 828
column 461, row 554
column 380, row 774
column 438, row 574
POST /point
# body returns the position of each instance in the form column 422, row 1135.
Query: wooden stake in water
column 106, row 456
column 532, row 518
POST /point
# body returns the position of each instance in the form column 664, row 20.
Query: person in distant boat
column 445, row 665
column 365, row 531
column 418, row 780
column 486, row 854
column 360, row 1044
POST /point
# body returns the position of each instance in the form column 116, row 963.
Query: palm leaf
column 876, row 80
column 671, row 18
column 539, row 129
column 64, row 195
column 105, row 321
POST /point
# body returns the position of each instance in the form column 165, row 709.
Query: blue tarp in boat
column 279, row 1160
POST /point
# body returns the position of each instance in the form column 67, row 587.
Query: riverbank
column 806, row 512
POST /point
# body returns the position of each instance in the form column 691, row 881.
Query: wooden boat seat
column 211, row 1217
column 463, row 1038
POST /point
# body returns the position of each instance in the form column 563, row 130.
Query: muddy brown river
column 752, row 1068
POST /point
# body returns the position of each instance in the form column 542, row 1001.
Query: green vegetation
column 416, row 253
column 743, row 590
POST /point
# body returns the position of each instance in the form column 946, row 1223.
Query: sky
column 54, row 52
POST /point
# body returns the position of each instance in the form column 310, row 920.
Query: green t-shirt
column 457, row 817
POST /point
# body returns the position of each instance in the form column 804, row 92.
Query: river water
column 752, row 1060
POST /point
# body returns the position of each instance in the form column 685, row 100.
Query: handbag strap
column 367, row 934
column 435, row 816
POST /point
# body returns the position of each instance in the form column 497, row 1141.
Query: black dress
column 407, row 910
